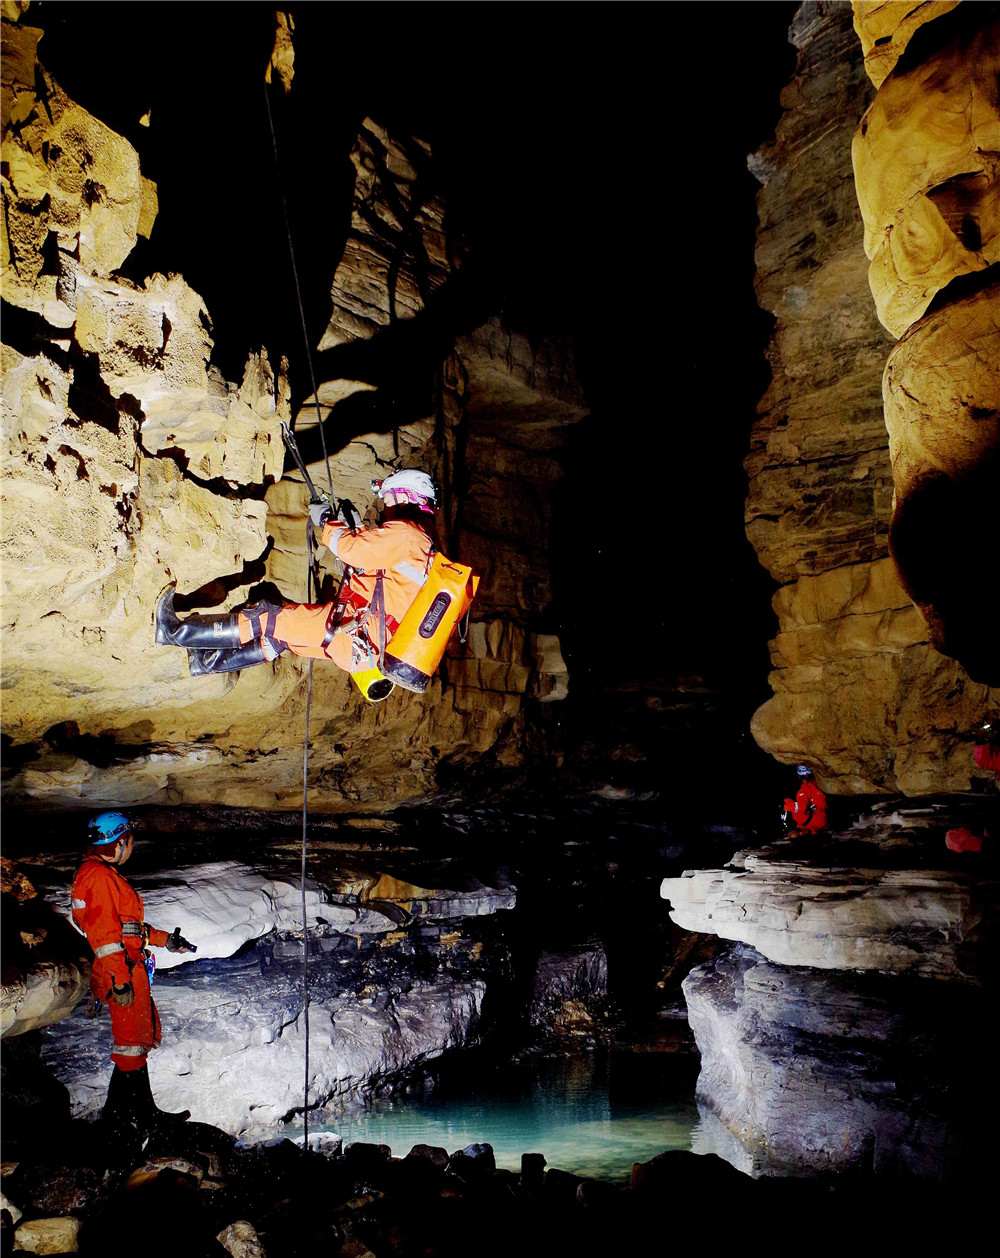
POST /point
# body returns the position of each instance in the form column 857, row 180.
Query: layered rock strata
column 844, row 1029
column 860, row 692
column 397, row 977
column 794, row 911
column 130, row 462
column 812, row 1072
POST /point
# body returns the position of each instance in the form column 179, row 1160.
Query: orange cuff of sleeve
column 157, row 938
column 331, row 530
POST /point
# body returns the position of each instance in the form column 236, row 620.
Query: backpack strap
column 377, row 608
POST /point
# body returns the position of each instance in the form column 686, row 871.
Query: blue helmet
column 108, row 827
column 802, row 770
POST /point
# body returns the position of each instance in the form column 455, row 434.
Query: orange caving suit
column 987, row 756
column 808, row 808
column 109, row 913
column 399, row 548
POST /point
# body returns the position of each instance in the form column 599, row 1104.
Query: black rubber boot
column 150, row 1118
column 123, row 1132
column 229, row 660
column 197, row 632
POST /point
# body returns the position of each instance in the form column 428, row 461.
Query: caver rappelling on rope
column 397, row 606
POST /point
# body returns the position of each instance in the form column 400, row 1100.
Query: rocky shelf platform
column 846, row 902
column 845, row 1030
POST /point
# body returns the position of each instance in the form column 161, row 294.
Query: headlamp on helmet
column 408, row 486
column 108, row 827
column 803, row 770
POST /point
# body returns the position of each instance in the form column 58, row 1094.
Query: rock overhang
column 159, row 469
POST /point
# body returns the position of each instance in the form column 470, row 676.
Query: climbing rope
column 312, row 581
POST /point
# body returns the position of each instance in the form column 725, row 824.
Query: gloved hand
column 177, row 943
column 122, row 995
column 348, row 514
column 320, row 513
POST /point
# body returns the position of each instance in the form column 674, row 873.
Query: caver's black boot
column 150, row 1118
column 197, row 632
column 227, row 660
column 122, row 1132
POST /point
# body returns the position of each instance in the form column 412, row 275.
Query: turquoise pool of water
column 591, row 1116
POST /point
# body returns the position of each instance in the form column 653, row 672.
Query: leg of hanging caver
column 257, row 634
column 305, row 629
column 135, row 1027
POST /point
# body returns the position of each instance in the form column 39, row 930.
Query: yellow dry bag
column 417, row 647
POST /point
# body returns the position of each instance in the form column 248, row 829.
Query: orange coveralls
column 109, row 912
column 808, row 817
column 399, row 548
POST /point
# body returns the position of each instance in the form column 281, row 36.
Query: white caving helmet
column 409, row 486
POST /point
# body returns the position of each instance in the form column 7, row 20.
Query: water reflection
column 593, row 1116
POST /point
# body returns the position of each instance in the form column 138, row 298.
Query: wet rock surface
column 567, row 986
column 827, row 1071
column 419, row 945
column 397, row 974
column 851, row 1035
column 200, row 1193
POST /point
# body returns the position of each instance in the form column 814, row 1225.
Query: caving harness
column 407, row 652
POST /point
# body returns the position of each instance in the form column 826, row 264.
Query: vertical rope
column 305, row 927
column 312, row 576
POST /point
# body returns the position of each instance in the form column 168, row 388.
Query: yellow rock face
column 927, row 169
column 68, row 177
column 885, row 27
column 926, row 157
column 853, row 663
column 942, row 391
column 129, row 462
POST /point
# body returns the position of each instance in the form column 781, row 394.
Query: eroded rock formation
column 822, row 1072
column 46, row 964
column 926, row 163
column 903, row 920
column 130, row 462
column 843, row 1030
column 398, row 975
column 860, row 692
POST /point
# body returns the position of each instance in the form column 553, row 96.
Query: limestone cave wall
column 870, row 692
column 129, row 461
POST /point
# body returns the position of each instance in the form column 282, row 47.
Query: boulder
column 240, row 1240
column 210, row 1022
column 47, row 1236
column 567, row 984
